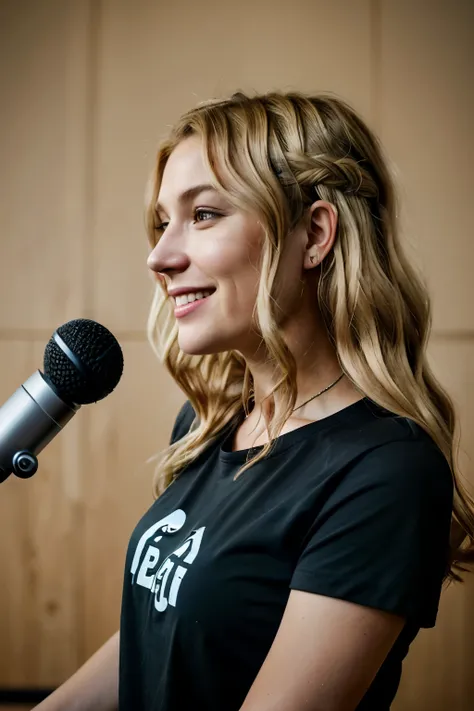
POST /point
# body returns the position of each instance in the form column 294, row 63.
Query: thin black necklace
column 320, row 393
column 317, row 394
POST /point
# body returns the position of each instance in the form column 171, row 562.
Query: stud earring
column 312, row 258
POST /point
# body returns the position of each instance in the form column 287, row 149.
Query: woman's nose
column 164, row 259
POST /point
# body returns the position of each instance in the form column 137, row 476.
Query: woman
column 301, row 532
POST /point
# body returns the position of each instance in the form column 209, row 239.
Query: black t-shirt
column 356, row 506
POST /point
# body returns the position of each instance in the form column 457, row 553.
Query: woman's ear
column 320, row 232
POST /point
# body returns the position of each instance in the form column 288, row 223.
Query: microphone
column 83, row 363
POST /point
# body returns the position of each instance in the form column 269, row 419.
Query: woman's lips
column 186, row 309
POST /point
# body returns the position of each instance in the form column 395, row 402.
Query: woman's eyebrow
column 187, row 195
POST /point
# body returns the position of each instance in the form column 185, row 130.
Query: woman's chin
column 199, row 346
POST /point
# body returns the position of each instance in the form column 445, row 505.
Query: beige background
column 88, row 87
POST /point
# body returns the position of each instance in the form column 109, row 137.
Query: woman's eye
column 198, row 214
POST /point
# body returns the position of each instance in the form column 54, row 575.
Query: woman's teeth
column 188, row 298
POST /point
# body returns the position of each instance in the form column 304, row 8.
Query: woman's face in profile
column 207, row 252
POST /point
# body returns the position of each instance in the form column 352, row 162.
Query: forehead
column 184, row 167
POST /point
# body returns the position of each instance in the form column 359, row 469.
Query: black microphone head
column 83, row 361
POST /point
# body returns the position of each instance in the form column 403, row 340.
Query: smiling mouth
column 182, row 310
column 185, row 299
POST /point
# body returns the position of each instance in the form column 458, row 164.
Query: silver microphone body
column 29, row 420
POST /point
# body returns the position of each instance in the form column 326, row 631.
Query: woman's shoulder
column 373, row 444
column 399, row 453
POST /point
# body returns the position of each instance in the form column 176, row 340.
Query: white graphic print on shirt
column 164, row 580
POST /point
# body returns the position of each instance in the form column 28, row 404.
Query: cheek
column 224, row 258
column 229, row 261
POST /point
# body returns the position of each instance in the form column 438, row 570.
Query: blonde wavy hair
column 274, row 155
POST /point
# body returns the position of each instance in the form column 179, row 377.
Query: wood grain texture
column 438, row 671
column 39, row 550
column 43, row 84
column 426, row 103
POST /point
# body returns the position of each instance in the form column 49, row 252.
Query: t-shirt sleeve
column 183, row 422
column 382, row 538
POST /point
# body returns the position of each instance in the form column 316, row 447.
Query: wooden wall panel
column 43, row 217
column 157, row 59
column 438, row 671
column 40, row 554
column 123, row 431
column 425, row 104
column 44, row 84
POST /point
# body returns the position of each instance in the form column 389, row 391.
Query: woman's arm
column 94, row 687
column 324, row 657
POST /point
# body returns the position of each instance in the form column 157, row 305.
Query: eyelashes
column 197, row 213
column 205, row 212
